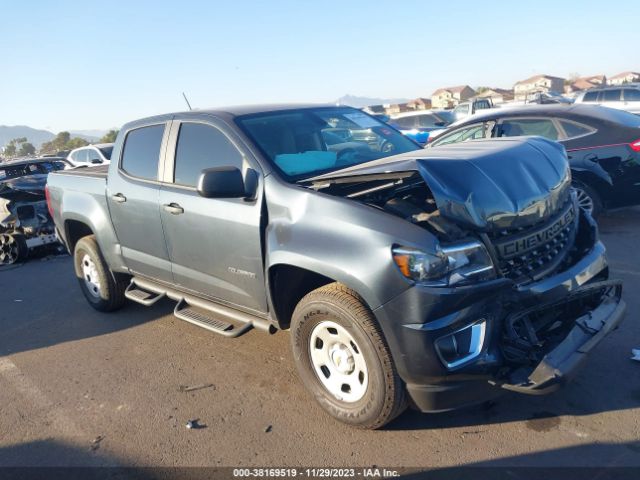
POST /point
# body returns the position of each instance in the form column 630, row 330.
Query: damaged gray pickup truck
column 433, row 278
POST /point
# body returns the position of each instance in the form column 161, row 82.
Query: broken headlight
column 452, row 264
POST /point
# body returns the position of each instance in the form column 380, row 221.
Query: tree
column 26, row 149
column 62, row 141
column 10, row 150
column 109, row 137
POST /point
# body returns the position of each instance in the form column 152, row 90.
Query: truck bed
column 99, row 171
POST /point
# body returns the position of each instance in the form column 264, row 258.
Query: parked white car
column 91, row 155
column 623, row 97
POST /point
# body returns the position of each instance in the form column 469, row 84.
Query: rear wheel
column 103, row 289
column 588, row 199
column 13, row 248
column 343, row 359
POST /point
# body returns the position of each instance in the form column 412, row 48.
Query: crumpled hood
column 29, row 183
column 485, row 184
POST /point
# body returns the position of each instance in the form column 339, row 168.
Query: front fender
column 338, row 238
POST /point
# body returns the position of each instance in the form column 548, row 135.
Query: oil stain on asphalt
column 543, row 421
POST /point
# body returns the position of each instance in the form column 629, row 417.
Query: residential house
column 497, row 95
column 624, row 77
column 451, row 96
column 420, row 104
column 537, row 83
column 585, row 83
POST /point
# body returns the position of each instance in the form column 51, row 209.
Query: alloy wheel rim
column 584, row 200
column 8, row 249
column 90, row 276
column 338, row 362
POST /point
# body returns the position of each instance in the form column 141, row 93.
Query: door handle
column 118, row 197
column 173, row 208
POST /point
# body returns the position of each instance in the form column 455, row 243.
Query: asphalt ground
column 81, row 388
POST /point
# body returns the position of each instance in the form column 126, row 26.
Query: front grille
column 527, row 254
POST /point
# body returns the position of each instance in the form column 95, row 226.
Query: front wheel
column 343, row 359
column 103, row 289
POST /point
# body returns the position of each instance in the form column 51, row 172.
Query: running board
column 205, row 319
column 215, row 317
column 139, row 295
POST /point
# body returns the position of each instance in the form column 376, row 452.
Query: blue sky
column 95, row 65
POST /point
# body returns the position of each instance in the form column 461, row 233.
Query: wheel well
column 589, row 179
column 287, row 286
column 75, row 231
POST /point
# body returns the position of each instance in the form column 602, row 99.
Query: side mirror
column 96, row 161
column 227, row 182
column 440, row 124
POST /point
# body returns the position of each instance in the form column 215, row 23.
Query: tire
column 588, row 199
column 13, row 248
column 372, row 393
column 103, row 289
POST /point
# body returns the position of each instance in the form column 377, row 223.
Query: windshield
column 309, row 142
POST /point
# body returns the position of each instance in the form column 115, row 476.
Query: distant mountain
column 360, row 102
column 34, row 136
column 38, row 137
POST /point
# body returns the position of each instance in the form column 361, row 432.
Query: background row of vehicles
column 422, row 124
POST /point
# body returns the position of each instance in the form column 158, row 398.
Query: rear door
column 214, row 243
column 132, row 193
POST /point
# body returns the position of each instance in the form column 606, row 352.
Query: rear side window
column 590, row 97
column 202, row 146
column 574, row 129
column 611, row 95
column 534, row 126
column 426, row 121
column 141, row 152
column 404, row 122
column 632, row 95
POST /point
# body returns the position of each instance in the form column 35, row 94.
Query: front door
column 132, row 193
column 214, row 244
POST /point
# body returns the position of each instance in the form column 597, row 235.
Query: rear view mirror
column 227, row 182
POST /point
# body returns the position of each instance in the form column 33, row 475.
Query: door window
column 590, row 97
column 93, row 155
column 141, row 152
column 79, row 156
column 542, row 127
column 202, row 146
column 611, row 95
column 632, row 95
column 472, row 132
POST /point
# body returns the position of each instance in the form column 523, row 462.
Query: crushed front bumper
column 414, row 321
column 561, row 363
